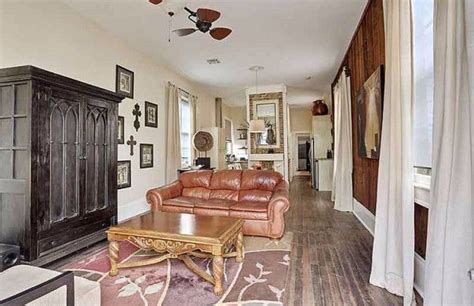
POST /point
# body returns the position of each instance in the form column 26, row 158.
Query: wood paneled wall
column 366, row 52
column 421, row 229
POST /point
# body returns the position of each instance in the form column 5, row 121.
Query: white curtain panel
column 342, row 179
column 173, row 135
column 337, row 98
column 193, row 100
column 393, row 251
column 450, row 228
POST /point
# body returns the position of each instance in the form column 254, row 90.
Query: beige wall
column 238, row 115
column 53, row 36
column 300, row 119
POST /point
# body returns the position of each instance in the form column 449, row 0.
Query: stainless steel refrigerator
column 314, row 167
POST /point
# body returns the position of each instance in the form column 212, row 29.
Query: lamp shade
column 257, row 126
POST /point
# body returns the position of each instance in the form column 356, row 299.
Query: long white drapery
column 450, row 227
column 342, row 178
column 193, row 100
column 393, row 251
column 173, row 135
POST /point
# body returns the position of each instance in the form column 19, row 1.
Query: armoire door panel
column 64, row 152
column 98, row 139
column 91, row 176
column 102, row 160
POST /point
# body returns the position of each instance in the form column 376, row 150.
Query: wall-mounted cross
column 137, row 113
column 132, row 142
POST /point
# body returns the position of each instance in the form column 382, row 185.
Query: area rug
column 259, row 280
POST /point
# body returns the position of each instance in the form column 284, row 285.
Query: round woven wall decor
column 203, row 141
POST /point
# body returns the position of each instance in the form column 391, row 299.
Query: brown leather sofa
column 259, row 197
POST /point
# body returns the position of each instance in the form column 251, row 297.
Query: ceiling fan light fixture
column 203, row 19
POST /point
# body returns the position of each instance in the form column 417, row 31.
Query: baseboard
column 419, row 283
column 365, row 216
column 368, row 221
column 132, row 209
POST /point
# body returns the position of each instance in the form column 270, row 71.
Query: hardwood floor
column 331, row 254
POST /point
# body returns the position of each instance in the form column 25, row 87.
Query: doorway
column 301, row 153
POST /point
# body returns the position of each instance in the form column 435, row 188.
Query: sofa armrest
column 279, row 202
column 156, row 196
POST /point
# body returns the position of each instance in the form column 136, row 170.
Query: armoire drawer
column 56, row 241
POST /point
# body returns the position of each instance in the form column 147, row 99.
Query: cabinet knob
column 82, row 157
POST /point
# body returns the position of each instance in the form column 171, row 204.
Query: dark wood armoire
column 58, row 162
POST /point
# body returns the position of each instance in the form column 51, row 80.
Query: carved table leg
column 218, row 271
column 240, row 247
column 114, row 257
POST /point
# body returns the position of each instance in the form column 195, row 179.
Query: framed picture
column 124, row 82
column 124, row 174
column 369, row 115
column 151, row 114
column 146, row 155
column 121, row 129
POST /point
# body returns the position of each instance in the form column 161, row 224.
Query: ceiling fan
column 203, row 19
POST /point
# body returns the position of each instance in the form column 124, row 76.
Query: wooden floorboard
column 331, row 253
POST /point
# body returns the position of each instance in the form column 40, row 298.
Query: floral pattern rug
column 259, row 280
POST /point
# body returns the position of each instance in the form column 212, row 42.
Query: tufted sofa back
column 235, row 185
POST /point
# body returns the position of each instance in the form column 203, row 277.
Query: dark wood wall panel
column 421, row 229
column 366, row 52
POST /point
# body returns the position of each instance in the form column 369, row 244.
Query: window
column 186, row 131
column 423, row 87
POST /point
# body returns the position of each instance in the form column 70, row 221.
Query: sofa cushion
column 255, row 195
column 250, row 210
column 248, row 215
column 198, row 178
column 182, row 201
column 196, row 192
column 232, row 195
column 250, row 206
column 262, row 180
column 226, row 180
column 215, row 204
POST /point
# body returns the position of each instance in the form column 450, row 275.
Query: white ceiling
column 292, row 39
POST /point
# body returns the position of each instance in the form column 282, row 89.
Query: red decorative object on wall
column 319, row 108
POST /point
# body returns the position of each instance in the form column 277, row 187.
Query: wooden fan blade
column 184, row 32
column 207, row 15
column 155, row 1
column 220, row 33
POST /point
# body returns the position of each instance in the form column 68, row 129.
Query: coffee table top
column 179, row 226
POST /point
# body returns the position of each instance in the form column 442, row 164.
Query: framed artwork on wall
column 146, row 155
column 124, row 174
column 124, row 81
column 369, row 115
column 151, row 114
column 121, row 130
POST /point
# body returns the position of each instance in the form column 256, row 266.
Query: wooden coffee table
column 176, row 235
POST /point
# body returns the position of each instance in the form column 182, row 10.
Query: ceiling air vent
column 213, row 61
